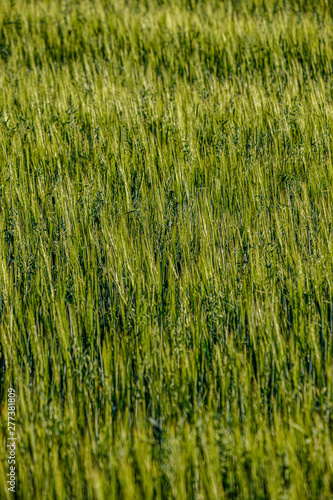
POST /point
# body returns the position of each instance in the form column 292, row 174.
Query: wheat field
column 166, row 239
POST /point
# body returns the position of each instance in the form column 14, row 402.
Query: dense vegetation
column 166, row 218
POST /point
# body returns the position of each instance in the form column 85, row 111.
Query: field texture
column 166, row 243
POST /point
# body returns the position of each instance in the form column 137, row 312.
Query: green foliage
column 166, row 217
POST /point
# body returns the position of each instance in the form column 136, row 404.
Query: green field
column 166, row 248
